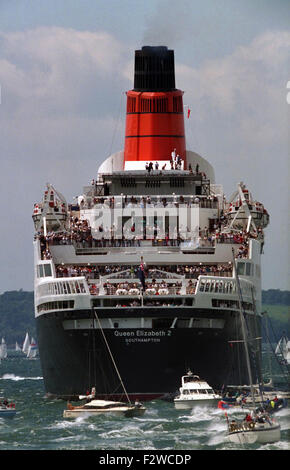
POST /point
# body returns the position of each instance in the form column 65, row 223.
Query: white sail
column 32, row 349
column 3, row 349
column 287, row 357
column 281, row 347
column 26, row 344
column 17, row 347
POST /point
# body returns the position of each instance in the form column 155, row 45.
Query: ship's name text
column 142, row 336
column 143, row 333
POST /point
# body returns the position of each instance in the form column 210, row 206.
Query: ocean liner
column 147, row 253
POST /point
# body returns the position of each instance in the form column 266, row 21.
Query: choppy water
column 39, row 424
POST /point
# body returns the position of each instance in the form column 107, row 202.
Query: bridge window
column 248, row 269
column 241, row 269
column 44, row 270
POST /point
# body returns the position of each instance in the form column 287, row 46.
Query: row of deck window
column 56, row 305
column 199, row 391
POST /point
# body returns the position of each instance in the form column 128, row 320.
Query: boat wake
column 17, row 377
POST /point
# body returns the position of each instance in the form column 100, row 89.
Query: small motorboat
column 194, row 391
column 97, row 407
column 7, row 410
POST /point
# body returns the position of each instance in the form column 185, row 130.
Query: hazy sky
column 65, row 66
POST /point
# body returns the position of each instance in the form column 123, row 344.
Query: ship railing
column 97, row 201
column 63, row 286
column 161, row 245
column 222, row 273
column 121, row 287
column 137, row 292
column 113, row 245
column 127, row 274
column 201, row 284
column 104, row 243
column 154, row 274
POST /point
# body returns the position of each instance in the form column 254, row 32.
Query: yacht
column 195, row 391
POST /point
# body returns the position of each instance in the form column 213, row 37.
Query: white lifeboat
column 51, row 213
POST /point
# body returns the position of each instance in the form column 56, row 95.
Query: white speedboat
column 194, row 391
column 96, row 407
column 263, row 430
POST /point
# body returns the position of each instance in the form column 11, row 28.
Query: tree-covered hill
column 17, row 314
column 276, row 297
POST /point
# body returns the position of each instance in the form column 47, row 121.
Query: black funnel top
column 154, row 69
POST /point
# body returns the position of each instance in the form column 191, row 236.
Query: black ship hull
column 150, row 361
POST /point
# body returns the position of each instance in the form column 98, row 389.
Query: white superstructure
column 65, row 261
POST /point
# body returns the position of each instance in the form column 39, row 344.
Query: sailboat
column 3, row 349
column 258, row 427
column 32, row 349
column 26, row 344
column 17, row 347
column 282, row 350
column 94, row 407
column 288, row 353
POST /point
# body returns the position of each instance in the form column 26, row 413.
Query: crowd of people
column 152, row 288
column 152, row 271
column 149, row 302
column 175, row 163
column 81, row 234
column 143, row 202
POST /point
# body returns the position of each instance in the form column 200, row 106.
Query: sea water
column 39, row 422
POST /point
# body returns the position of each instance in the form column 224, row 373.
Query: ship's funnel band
column 154, row 135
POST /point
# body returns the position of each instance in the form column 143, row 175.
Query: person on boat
column 248, row 418
column 233, row 425
column 260, row 416
column 279, row 402
column 137, row 403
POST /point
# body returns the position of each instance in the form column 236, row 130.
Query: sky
column 65, row 66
